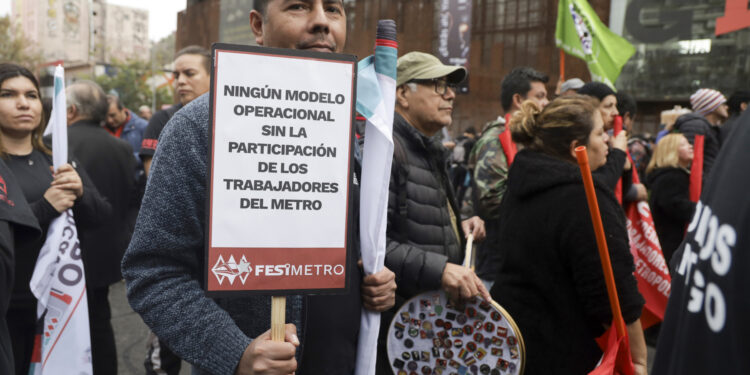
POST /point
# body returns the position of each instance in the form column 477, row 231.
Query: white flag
column 58, row 282
column 376, row 97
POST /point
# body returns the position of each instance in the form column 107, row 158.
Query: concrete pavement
column 130, row 334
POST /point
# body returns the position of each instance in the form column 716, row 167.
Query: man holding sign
column 166, row 261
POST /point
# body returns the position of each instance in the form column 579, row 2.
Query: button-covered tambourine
column 432, row 335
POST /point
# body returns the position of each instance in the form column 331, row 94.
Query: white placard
column 281, row 151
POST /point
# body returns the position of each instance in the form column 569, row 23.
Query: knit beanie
column 596, row 89
column 705, row 101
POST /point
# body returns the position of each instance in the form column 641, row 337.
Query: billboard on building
column 454, row 35
column 677, row 50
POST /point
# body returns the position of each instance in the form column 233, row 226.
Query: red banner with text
column 651, row 270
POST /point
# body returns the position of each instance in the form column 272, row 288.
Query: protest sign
column 280, row 171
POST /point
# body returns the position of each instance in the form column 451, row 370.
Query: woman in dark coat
column 550, row 279
column 668, row 177
column 48, row 194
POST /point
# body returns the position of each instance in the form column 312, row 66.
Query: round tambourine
column 430, row 335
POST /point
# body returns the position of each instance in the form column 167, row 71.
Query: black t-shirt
column 706, row 327
column 153, row 130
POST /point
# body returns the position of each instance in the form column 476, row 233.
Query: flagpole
column 617, row 129
column 609, row 278
column 376, row 97
column 696, row 169
column 562, row 65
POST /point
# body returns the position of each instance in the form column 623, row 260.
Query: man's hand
column 461, row 283
column 379, row 290
column 264, row 356
column 474, row 225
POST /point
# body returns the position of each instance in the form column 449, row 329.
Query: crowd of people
column 136, row 183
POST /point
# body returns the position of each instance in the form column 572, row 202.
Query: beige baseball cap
column 420, row 65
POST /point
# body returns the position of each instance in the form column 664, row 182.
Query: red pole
column 696, row 170
column 617, row 130
column 562, row 65
column 601, row 241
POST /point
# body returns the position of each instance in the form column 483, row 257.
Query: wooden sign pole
column 278, row 318
column 468, row 261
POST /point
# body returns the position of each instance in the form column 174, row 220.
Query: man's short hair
column 261, row 6
column 197, row 50
column 735, row 101
column 626, row 104
column 519, row 82
column 115, row 99
column 89, row 99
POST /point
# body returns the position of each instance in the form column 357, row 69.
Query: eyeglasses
column 441, row 84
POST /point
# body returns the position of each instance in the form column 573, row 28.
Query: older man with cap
column 425, row 236
column 709, row 112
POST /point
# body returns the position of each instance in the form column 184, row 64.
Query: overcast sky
column 162, row 14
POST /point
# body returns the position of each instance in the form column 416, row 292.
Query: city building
column 677, row 50
column 83, row 34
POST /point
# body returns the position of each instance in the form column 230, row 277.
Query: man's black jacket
column 110, row 164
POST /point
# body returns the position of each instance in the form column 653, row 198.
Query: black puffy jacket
column 691, row 125
column 421, row 238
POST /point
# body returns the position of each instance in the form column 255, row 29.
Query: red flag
column 651, row 270
column 696, row 170
column 616, row 358
column 509, row 147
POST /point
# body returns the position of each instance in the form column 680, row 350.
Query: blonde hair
column 666, row 153
column 564, row 120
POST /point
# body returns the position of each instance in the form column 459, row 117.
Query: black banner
column 454, row 35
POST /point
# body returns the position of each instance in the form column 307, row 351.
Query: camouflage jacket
column 490, row 167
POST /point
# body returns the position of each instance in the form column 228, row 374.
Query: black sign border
column 350, row 268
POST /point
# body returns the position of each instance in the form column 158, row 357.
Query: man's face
column 316, row 25
column 427, row 110
column 627, row 121
column 538, row 93
column 722, row 112
column 115, row 116
column 191, row 78
column 145, row 113
column 608, row 109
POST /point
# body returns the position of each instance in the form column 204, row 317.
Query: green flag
column 580, row 33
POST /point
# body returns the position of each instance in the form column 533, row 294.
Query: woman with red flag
column 550, row 278
column 668, row 177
